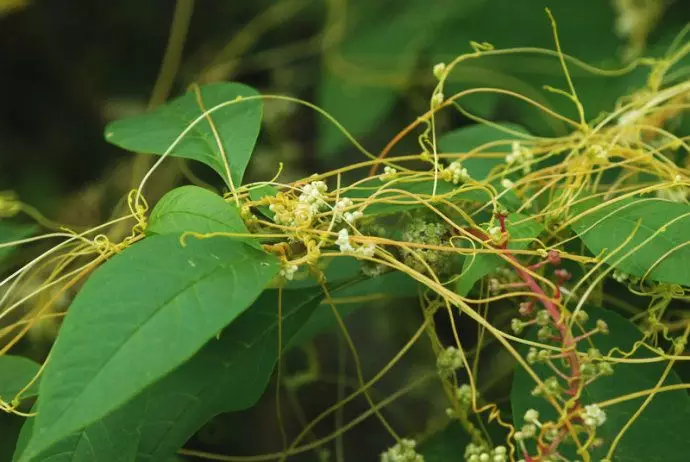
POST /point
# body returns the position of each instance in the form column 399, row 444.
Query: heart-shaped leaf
column 228, row 374
column 140, row 316
column 237, row 124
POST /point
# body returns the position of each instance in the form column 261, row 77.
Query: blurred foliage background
column 67, row 68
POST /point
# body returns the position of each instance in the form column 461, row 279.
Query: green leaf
column 477, row 266
column 194, row 209
column 16, row 372
column 662, row 234
column 9, row 232
column 466, row 139
column 237, row 125
column 227, row 374
column 140, row 316
column 643, row 441
column 447, row 445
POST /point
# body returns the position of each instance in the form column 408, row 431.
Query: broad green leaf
column 237, row 125
column 9, row 232
column 466, row 139
column 228, row 374
column 140, row 316
column 194, row 209
column 16, row 372
column 643, row 441
column 477, row 266
column 662, row 235
column 447, row 445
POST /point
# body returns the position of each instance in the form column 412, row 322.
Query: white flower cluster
column 341, row 214
column 404, row 451
column 345, row 246
column 520, row 156
column 288, row 271
column 314, row 195
column 622, row 277
column 479, row 453
column 448, row 361
column 455, row 173
column 309, row 203
column 593, row 416
column 532, row 416
column 388, row 173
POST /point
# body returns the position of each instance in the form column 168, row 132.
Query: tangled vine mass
column 514, row 239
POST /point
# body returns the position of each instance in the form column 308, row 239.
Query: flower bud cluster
column 420, row 231
column 455, row 173
column 448, row 361
column 302, row 211
column 593, row 416
column 521, row 157
column 404, row 451
column 345, row 245
column 480, row 453
column 341, row 215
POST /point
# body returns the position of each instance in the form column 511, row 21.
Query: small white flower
column 288, row 272
column 620, row 276
column 593, row 416
column 341, row 205
column 455, row 173
column 314, row 194
column 351, row 217
column 532, row 416
column 388, row 173
column 495, row 233
column 506, row 183
column 345, row 246
column 340, row 214
column 343, row 241
column 521, row 156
